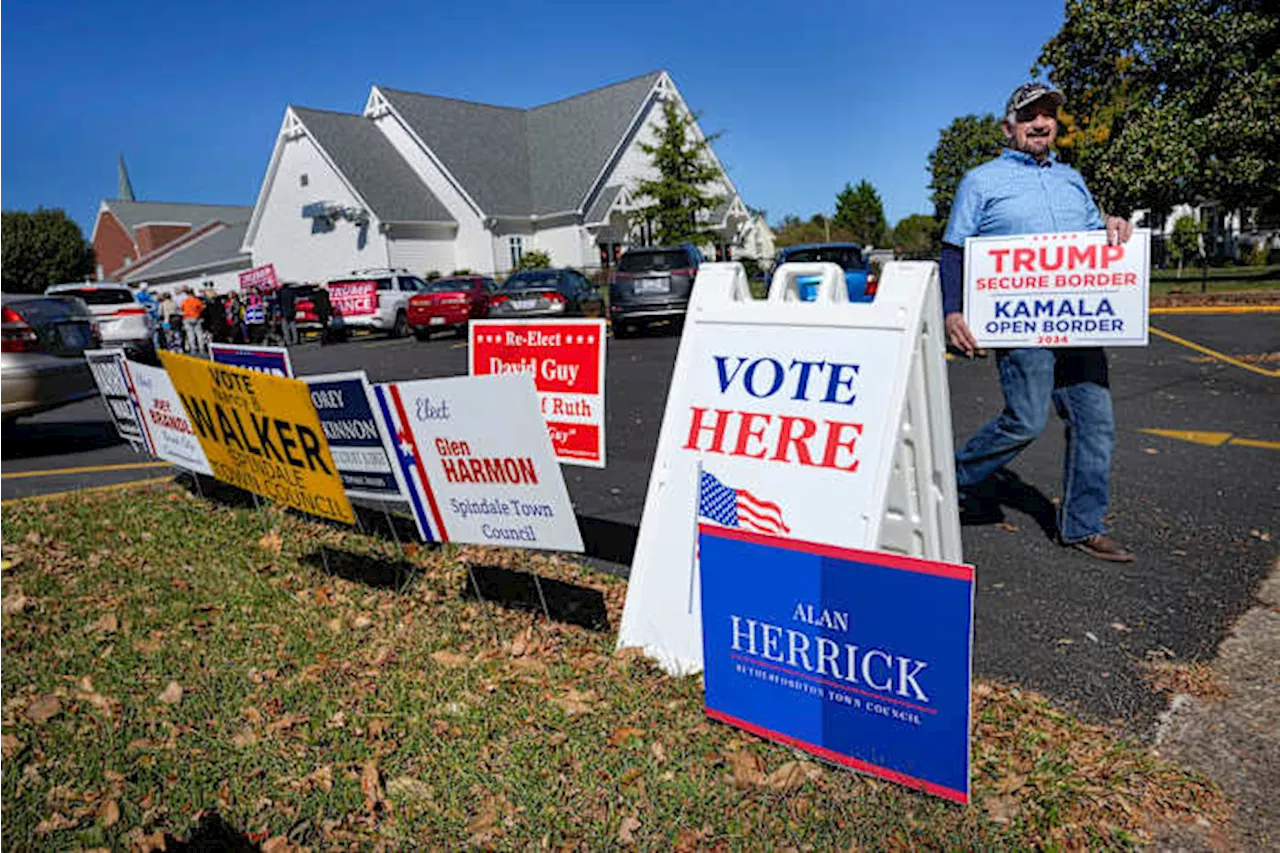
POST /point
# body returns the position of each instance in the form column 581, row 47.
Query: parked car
column 546, row 293
column 388, row 310
column 450, row 303
column 859, row 281
column 652, row 283
column 122, row 321
column 307, row 315
column 44, row 339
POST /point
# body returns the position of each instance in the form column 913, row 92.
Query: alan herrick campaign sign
column 861, row 658
column 1057, row 290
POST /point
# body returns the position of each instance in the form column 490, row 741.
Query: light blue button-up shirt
column 1014, row 194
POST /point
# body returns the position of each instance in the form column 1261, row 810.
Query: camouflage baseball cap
column 1029, row 93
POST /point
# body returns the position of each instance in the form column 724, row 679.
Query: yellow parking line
column 1270, row 374
column 88, row 469
column 1217, row 309
column 94, row 489
column 1256, row 442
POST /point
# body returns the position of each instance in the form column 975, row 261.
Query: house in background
column 429, row 183
column 208, row 256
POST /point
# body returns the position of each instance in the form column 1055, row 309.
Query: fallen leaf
column 1001, row 809
column 151, row 843
column 172, row 694
column 747, row 768
column 449, row 659
column 487, row 823
column 626, row 830
column 658, row 751
column 574, row 702
column 15, row 603
column 334, row 625
column 1150, row 451
column 361, row 622
column 378, row 727
column 622, row 734
column 107, row 624
column 409, row 788
column 271, row 542
column 371, row 785
column 287, row 722
column 42, row 709
column 9, row 746
column 1006, row 526
column 54, row 823
column 108, row 814
column 1119, row 626
column 244, row 738
column 790, row 775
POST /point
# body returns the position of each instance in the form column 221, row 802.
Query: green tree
column 1184, row 242
column 678, row 198
column 535, row 259
column 42, row 248
column 1171, row 100
column 793, row 231
column 860, row 212
column 917, row 236
column 967, row 142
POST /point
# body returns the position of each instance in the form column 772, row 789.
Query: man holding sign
column 1026, row 191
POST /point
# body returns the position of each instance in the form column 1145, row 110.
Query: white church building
column 429, row 183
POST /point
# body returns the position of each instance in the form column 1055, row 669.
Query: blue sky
column 809, row 96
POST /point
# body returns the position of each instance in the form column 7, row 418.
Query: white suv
column 375, row 299
column 121, row 320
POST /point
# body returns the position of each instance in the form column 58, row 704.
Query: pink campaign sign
column 354, row 298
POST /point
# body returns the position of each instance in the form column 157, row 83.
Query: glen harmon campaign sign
column 566, row 360
column 107, row 367
column 260, row 433
column 273, row 360
column 861, row 658
column 358, row 437
column 477, row 462
column 164, row 420
column 354, row 298
column 1057, row 290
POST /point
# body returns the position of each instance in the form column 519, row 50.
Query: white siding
column 284, row 235
column 565, row 245
column 501, row 245
column 472, row 246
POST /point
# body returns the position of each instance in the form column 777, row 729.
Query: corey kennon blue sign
column 355, row 435
column 860, row 658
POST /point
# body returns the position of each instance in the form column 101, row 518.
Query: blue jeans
column 1076, row 381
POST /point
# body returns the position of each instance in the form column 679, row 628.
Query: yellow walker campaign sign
column 1057, row 290
column 260, row 433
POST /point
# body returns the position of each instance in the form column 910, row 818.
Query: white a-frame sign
column 825, row 421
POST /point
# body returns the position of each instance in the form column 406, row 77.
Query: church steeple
column 124, row 189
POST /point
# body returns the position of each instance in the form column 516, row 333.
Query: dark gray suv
column 651, row 283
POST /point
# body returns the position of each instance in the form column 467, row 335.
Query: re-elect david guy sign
column 858, row 657
column 1057, row 290
column 566, row 360
column 260, row 433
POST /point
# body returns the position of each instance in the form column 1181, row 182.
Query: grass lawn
column 164, row 660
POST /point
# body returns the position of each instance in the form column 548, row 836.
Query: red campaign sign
column 259, row 279
column 566, row 360
column 354, row 298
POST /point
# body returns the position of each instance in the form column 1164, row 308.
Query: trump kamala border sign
column 858, row 657
column 260, row 433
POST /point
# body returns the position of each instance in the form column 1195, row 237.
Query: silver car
column 44, row 339
column 122, row 321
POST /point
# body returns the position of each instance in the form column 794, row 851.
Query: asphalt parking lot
column 1198, row 500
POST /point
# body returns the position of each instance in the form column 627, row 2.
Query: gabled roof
column 212, row 245
column 373, row 167
column 523, row 162
column 131, row 214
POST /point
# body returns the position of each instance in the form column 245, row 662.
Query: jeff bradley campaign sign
column 1057, row 290
column 861, row 658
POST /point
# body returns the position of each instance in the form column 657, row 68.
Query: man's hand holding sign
column 1045, row 283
